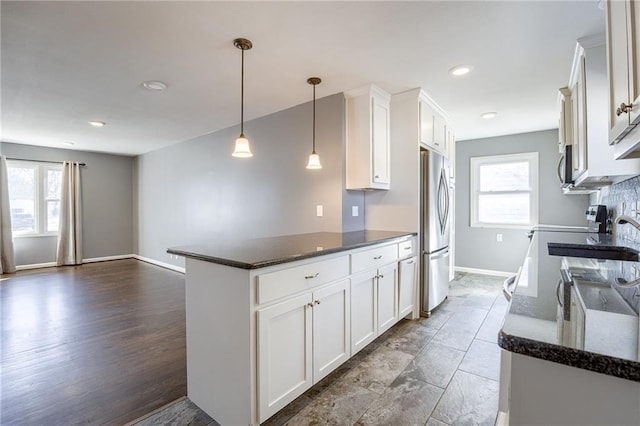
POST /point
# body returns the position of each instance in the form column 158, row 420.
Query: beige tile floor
column 441, row 370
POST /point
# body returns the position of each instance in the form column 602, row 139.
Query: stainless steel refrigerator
column 435, row 223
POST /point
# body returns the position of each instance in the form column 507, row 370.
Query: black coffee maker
column 597, row 214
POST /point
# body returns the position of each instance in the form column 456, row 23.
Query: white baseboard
column 107, row 258
column 483, row 271
column 35, row 266
column 161, row 264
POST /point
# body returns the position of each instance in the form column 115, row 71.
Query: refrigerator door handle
column 439, row 255
column 443, row 201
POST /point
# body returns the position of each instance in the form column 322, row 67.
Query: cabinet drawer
column 405, row 249
column 273, row 285
column 373, row 258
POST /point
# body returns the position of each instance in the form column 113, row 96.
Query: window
column 504, row 190
column 34, row 194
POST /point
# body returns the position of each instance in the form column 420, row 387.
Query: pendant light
column 314, row 159
column 242, row 148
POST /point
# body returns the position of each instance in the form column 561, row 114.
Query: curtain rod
column 40, row 161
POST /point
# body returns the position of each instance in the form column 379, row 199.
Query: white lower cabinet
column 406, row 286
column 387, row 283
column 257, row 339
column 300, row 341
column 364, row 315
column 284, row 353
column 331, row 328
column 374, row 304
column 577, row 322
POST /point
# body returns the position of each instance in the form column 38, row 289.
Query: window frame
column 533, row 190
column 41, row 170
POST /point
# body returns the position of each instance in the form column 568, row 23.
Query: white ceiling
column 64, row 63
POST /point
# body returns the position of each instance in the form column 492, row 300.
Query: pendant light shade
column 242, row 148
column 314, row 159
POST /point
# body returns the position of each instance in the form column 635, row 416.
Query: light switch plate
column 354, row 210
column 319, row 210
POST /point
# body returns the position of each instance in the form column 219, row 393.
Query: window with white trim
column 34, row 194
column 504, row 190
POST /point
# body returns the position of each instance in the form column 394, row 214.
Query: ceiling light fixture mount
column 95, row 123
column 155, row 85
column 460, row 70
column 242, row 148
column 489, row 115
column 314, row 159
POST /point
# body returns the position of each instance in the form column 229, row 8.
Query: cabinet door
column 633, row 63
column 364, row 317
column 331, row 328
column 380, row 136
column 284, row 353
column 617, row 52
column 440, row 134
column 578, row 97
column 577, row 323
column 387, row 297
column 427, row 124
column 406, row 286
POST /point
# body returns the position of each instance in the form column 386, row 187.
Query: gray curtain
column 70, row 227
column 7, row 260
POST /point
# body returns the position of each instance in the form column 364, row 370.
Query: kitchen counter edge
column 604, row 364
column 191, row 252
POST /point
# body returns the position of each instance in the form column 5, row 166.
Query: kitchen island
column 570, row 339
column 268, row 318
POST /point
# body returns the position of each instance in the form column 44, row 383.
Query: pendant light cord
column 314, row 119
column 242, row 97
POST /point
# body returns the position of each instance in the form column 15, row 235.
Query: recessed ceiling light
column 489, row 115
column 460, row 70
column 68, row 143
column 97, row 123
column 155, row 85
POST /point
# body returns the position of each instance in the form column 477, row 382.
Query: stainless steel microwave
column 565, row 170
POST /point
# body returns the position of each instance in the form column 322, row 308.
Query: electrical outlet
column 319, row 210
column 499, row 238
column 354, row 210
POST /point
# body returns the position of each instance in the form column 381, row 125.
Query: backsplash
column 622, row 198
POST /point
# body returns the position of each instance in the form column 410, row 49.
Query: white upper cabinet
column 564, row 124
column 594, row 164
column 623, row 60
column 433, row 126
column 368, row 138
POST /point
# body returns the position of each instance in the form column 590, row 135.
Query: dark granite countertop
column 263, row 252
column 534, row 321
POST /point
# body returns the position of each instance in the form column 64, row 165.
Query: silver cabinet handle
column 410, row 262
column 560, row 168
column 558, row 293
column 310, row 305
column 623, row 109
column 377, row 257
column 309, row 277
column 380, row 276
column 317, row 302
column 407, row 248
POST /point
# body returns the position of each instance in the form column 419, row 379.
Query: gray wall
column 107, row 203
column 196, row 192
column 477, row 247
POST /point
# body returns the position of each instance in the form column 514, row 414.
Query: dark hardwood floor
column 101, row 343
